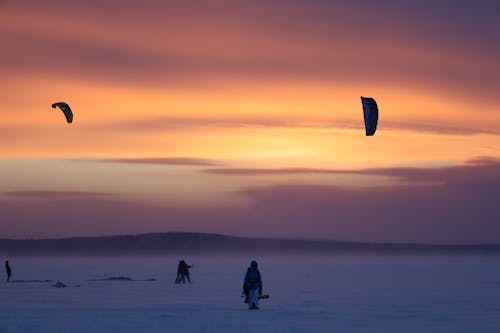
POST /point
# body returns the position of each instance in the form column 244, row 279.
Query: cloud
column 483, row 160
column 461, row 206
column 488, row 164
column 192, row 161
column 82, row 216
column 167, row 123
column 43, row 194
column 161, row 49
column 281, row 171
column 147, row 124
column 436, row 128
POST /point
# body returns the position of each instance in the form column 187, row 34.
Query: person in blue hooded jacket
column 252, row 286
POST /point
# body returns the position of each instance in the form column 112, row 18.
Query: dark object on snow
column 31, row 281
column 118, row 278
column 59, row 284
column 183, row 272
column 370, row 113
column 123, row 278
column 8, row 271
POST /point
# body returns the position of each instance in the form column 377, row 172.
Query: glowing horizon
column 272, row 86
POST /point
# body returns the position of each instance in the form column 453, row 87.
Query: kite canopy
column 370, row 112
column 65, row 109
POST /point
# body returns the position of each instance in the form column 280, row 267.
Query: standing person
column 8, row 270
column 178, row 278
column 252, row 286
column 183, row 272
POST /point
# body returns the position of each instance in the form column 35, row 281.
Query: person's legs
column 253, row 299
column 189, row 279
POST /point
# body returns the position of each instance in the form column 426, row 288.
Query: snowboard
column 263, row 296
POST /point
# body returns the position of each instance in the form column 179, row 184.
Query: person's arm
column 245, row 282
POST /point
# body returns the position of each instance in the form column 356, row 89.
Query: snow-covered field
column 308, row 294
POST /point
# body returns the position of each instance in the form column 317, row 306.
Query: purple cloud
column 446, row 205
column 490, row 165
column 303, row 44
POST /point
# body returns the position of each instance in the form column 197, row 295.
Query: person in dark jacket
column 183, row 272
column 252, row 286
column 8, row 270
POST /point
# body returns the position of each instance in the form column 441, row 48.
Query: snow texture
column 345, row 294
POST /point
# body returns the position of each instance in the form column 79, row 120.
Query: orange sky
column 245, row 85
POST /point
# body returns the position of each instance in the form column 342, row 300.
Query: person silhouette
column 252, row 286
column 183, row 272
column 8, row 270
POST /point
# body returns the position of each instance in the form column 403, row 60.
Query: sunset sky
column 244, row 118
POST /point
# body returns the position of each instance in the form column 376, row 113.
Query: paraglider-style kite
column 65, row 109
column 370, row 112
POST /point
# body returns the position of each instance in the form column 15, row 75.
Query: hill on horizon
column 203, row 243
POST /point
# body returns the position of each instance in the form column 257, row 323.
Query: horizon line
column 298, row 239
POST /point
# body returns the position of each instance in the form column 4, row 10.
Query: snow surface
column 308, row 294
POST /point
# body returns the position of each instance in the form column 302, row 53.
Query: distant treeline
column 201, row 243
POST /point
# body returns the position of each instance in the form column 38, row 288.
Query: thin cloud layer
column 167, row 123
column 44, row 194
column 459, row 207
column 273, row 84
column 167, row 44
column 186, row 161
column 490, row 165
